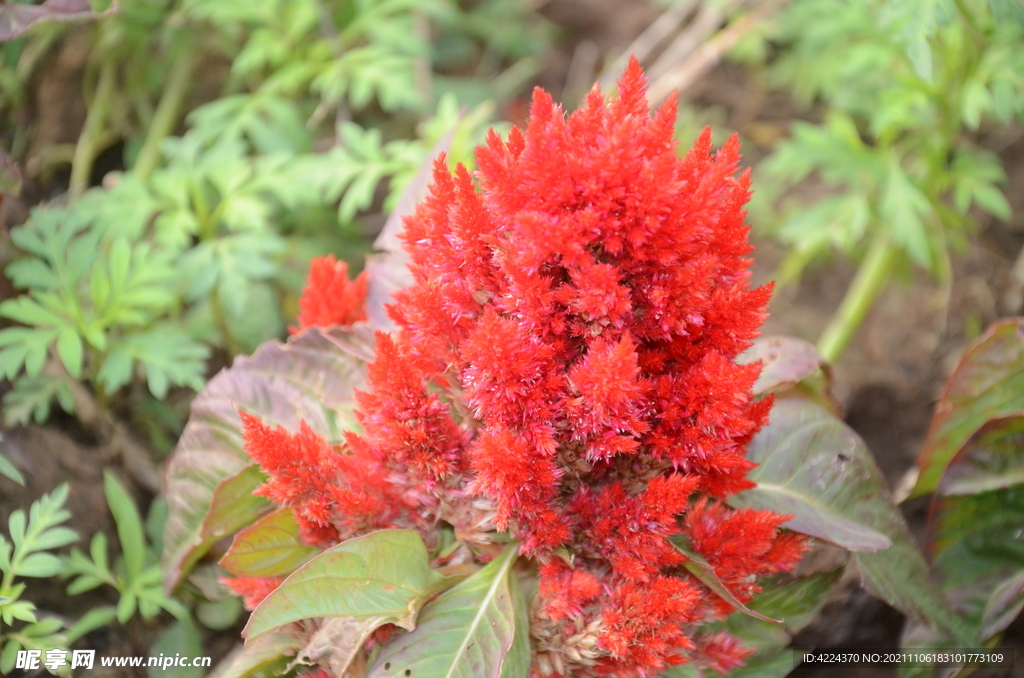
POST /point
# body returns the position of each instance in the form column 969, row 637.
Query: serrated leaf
column 40, row 565
column 812, row 465
column 30, row 399
column 269, row 547
column 384, row 575
column 54, row 538
column 988, row 383
column 19, row 609
column 903, row 208
column 310, row 378
column 466, row 632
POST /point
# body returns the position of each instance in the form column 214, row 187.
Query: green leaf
column 90, row 621
column 1002, row 607
column 219, row 615
column 796, row 602
column 269, row 547
column 10, row 470
column 30, row 399
column 777, row 665
column 69, row 348
column 467, row 631
column 234, row 504
column 129, row 526
column 903, row 208
column 988, row 383
column 266, row 656
column 167, row 354
column 179, row 638
column 978, row 536
column 310, row 378
column 700, row 568
column 993, row 459
column 126, row 607
column 812, row 465
column 517, row 660
column 384, row 575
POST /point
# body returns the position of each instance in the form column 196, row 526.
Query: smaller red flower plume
column 333, row 495
column 329, row 297
column 253, row 590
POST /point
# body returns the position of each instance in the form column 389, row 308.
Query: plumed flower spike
column 329, row 297
column 564, row 372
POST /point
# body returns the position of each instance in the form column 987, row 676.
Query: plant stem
column 167, row 111
column 230, row 344
column 867, row 284
column 89, row 141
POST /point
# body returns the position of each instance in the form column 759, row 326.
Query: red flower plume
column 564, row 370
column 329, row 297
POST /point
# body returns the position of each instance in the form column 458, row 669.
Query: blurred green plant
column 907, row 87
column 202, row 242
column 28, row 554
column 135, row 576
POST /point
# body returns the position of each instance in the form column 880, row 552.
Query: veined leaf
column 467, row 632
column 384, row 576
column 813, row 466
column 310, row 378
column 269, row 547
column 988, row 383
column 1002, row 606
column 234, row 505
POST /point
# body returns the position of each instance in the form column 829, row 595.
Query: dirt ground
column 887, row 381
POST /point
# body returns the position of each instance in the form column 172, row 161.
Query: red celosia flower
column 739, row 543
column 720, row 652
column 329, row 297
column 332, row 495
column 252, row 589
column 646, row 626
column 564, row 370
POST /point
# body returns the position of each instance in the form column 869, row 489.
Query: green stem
column 89, row 141
column 230, row 344
column 167, row 111
column 972, row 23
column 871, row 277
